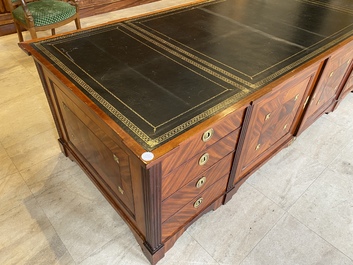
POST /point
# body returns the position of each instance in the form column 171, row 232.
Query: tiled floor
column 297, row 209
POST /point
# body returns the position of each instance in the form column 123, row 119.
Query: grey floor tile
column 125, row 250
column 27, row 237
column 187, row 251
column 343, row 164
column 122, row 249
column 13, row 190
column 6, row 165
column 47, row 173
column 290, row 242
column 82, row 217
column 327, row 209
column 343, row 114
column 233, row 230
column 323, row 140
column 22, row 83
column 36, row 148
column 286, row 176
column 24, row 117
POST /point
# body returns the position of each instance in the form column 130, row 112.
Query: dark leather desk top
column 158, row 76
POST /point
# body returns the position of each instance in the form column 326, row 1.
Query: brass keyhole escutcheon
column 296, row 97
column 331, row 74
column 120, row 190
column 257, row 147
column 207, row 135
column 267, row 116
column 203, row 159
column 198, row 202
column 116, row 159
column 201, row 182
column 285, row 126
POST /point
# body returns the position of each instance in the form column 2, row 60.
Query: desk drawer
column 203, row 140
column 193, row 208
column 194, row 167
column 199, row 184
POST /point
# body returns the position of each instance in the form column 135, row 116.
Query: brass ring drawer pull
column 207, row 135
column 201, row 182
column 198, row 202
column 203, row 159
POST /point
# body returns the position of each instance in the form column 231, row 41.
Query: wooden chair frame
column 30, row 21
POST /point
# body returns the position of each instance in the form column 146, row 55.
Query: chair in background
column 38, row 15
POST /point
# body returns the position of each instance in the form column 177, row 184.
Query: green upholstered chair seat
column 45, row 12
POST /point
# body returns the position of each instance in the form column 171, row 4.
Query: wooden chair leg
column 19, row 32
column 33, row 33
column 78, row 23
column 52, row 31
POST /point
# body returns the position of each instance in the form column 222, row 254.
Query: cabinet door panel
column 327, row 89
column 109, row 161
column 326, row 92
column 273, row 121
column 349, row 86
column 272, row 118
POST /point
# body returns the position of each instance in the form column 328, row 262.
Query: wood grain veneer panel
column 95, row 146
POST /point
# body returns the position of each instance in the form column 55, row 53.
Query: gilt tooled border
column 194, row 57
column 328, row 5
column 265, row 80
column 256, row 85
column 153, row 142
column 150, row 142
column 153, row 126
column 178, row 52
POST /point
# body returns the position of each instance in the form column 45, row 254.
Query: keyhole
column 207, row 135
column 201, row 182
column 203, row 159
column 198, row 202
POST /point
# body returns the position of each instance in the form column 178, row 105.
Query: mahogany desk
column 169, row 113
